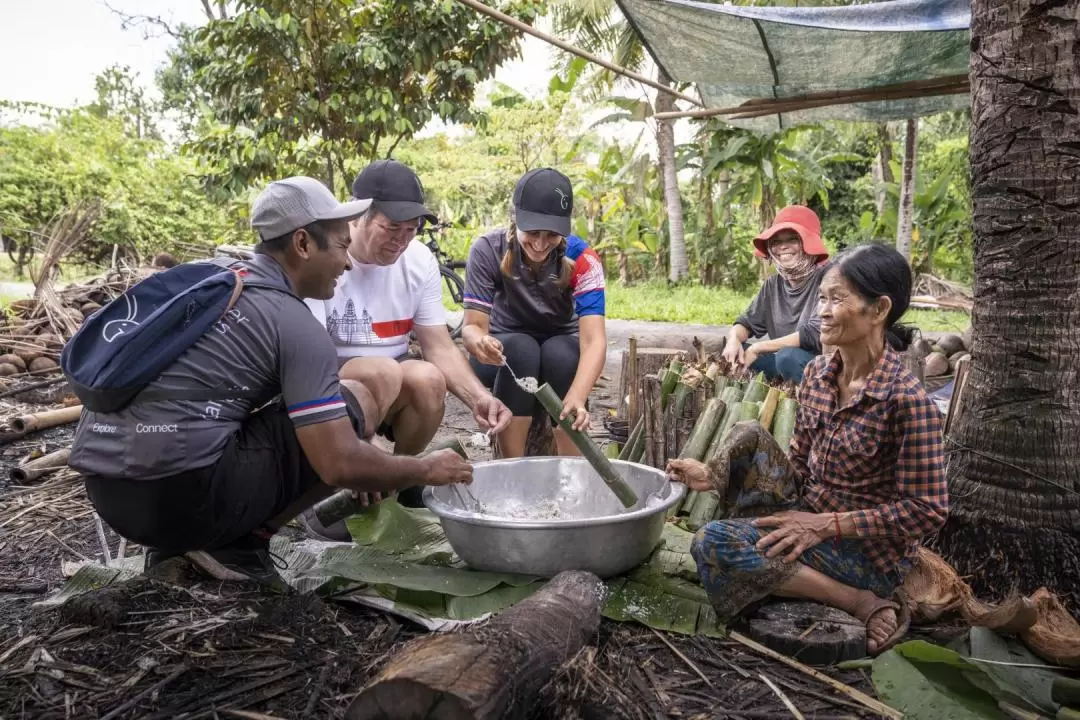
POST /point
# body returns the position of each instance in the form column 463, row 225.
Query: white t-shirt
column 375, row 307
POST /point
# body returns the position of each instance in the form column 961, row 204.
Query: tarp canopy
column 734, row 54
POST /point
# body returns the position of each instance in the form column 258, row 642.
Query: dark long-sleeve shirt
column 880, row 457
column 778, row 310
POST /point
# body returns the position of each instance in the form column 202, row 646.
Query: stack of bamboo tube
column 689, row 413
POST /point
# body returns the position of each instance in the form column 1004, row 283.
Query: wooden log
column 554, row 404
column 36, row 469
column 492, row 671
column 650, row 361
column 652, row 408
column 47, row 419
column 343, row 503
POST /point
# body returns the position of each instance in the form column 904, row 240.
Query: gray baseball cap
column 290, row 204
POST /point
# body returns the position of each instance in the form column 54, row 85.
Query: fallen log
column 491, row 671
column 47, row 419
column 35, row 469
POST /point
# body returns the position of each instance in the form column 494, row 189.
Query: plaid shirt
column 879, row 457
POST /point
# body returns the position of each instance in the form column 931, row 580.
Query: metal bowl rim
column 443, row 510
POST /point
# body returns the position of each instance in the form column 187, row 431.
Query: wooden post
column 654, row 420
column 650, row 361
column 492, row 671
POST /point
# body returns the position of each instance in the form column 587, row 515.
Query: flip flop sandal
column 903, row 621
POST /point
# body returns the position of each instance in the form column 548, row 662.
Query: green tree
column 318, row 85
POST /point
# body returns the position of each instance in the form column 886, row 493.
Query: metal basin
column 544, row 515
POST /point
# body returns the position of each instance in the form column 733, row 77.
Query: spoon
column 529, row 387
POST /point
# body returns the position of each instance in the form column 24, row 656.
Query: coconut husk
column 1055, row 636
column 934, row 590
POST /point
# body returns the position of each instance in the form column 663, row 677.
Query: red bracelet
column 836, row 517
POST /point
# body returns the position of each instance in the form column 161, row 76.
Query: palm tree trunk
column 665, row 142
column 905, row 215
column 1014, row 450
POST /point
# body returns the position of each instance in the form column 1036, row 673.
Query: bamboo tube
column 343, row 503
column 750, row 411
column 553, row 404
column 45, row 420
column 515, row 23
column 784, row 424
column 730, row 416
column 669, row 380
column 722, row 383
column 631, row 388
column 768, row 408
column 757, row 390
column 632, row 439
column 44, row 465
column 703, row 510
column 703, row 430
column 1065, row 691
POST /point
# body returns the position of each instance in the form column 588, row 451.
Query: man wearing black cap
column 213, row 479
column 392, row 289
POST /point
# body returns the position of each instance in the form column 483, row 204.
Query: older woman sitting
column 841, row 517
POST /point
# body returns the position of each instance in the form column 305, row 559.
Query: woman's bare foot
column 879, row 616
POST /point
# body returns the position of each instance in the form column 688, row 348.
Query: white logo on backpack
column 110, row 333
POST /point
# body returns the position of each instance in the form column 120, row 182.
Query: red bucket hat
column 803, row 221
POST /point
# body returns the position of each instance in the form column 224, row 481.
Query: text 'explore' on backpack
column 128, row 343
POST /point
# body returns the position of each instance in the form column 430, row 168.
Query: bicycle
column 448, row 268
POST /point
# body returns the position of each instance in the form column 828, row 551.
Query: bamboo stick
column 631, row 385
column 862, row 698
column 554, row 405
column 704, row 508
column 44, row 465
column 768, row 408
column 670, row 381
column 632, row 439
column 703, row 430
column 515, row 23
column 47, row 419
column 343, row 503
column 950, row 84
column 757, row 389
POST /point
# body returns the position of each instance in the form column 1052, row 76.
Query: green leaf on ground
column 927, row 682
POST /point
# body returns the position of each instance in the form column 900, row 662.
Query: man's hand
column 574, row 408
column 367, row 499
column 795, row 533
column 488, row 350
column 446, row 467
column 750, row 355
column 691, row 473
column 490, row 413
column 733, row 352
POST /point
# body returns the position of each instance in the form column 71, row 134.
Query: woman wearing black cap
column 534, row 300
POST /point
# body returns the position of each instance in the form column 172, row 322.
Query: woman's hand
column 487, row 350
column 574, row 408
column 733, row 353
column 750, row 355
column 795, row 533
column 691, row 473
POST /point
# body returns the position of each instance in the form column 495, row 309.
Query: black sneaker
column 156, row 556
column 247, row 559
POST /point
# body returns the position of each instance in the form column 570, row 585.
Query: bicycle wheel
column 456, row 285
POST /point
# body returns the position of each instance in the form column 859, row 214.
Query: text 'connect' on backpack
column 132, row 340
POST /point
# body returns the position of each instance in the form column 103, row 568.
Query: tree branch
column 398, row 139
column 127, row 21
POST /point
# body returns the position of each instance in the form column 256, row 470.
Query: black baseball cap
column 544, row 200
column 394, row 190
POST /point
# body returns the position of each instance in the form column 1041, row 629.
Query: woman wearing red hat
column 785, row 308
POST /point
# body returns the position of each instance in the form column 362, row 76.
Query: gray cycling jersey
column 268, row 344
column 778, row 310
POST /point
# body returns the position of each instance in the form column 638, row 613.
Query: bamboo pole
column 44, row 465
column 631, row 385
column 45, row 420
column 344, row 503
column 563, row 45
column 554, row 405
column 948, row 85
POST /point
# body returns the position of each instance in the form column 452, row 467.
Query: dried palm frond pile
column 34, row 330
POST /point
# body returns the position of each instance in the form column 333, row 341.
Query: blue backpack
column 128, row 343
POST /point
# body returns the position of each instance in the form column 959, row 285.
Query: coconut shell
column 74, row 315
column 29, row 355
column 951, row 344
column 13, row 359
column 936, row 364
column 50, row 340
column 8, row 369
column 966, row 337
column 89, row 309
column 923, row 347
column 955, row 359
column 43, row 364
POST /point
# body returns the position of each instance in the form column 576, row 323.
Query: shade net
column 734, row 54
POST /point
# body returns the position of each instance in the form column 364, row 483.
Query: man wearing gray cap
column 214, row 479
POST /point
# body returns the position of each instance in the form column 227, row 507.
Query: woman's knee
column 791, row 362
column 522, row 352
column 726, row 542
column 559, row 356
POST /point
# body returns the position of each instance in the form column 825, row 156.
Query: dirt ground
column 178, row 647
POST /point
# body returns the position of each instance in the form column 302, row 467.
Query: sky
column 51, row 50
